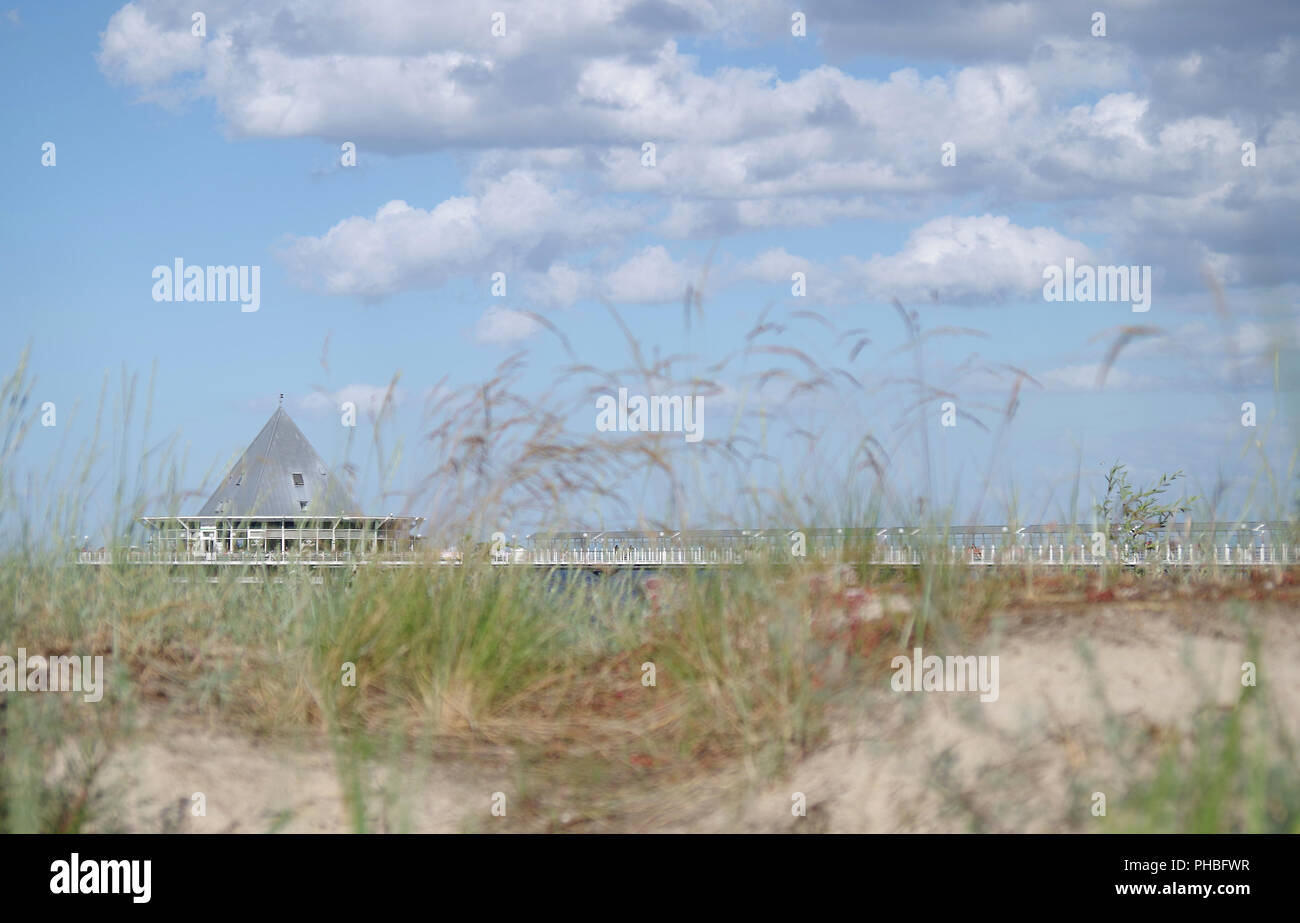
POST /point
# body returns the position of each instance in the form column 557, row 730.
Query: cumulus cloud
column 504, row 326
column 774, row 265
column 163, row 33
column 1136, row 136
column 403, row 75
column 516, row 221
column 560, row 286
column 958, row 259
column 651, row 276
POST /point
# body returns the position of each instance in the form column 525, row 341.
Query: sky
column 926, row 161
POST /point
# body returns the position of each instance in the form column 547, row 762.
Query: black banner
column 302, row 872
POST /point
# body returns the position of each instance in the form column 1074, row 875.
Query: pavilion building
column 280, row 504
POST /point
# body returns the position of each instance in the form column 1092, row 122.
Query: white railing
column 1225, row 545
column 1046, row 555
column 310, row 558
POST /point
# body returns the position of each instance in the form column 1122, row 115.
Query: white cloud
column 369, row 399
column 774, row 265
column 405, row 247
column 504, row 326
column 1083, row 377
column 962, row 258
column 137, row 48
column 575, row 91
column 560, row 286
column 1241, row 353
column 651, row 276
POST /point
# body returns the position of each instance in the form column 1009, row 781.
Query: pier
column 1269, row 544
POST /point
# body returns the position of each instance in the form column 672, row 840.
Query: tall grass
column 750, row 665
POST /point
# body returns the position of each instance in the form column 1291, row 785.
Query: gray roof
column 264, row 482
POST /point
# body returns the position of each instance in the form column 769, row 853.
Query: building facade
column 280, row 504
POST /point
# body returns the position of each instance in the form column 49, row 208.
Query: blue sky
column 774, row 153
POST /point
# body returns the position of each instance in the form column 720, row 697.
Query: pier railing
column 1214, row 544
column 312, row 558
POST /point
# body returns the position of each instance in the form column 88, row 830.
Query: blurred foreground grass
column 751, row 668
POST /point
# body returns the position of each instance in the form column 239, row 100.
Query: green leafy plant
column 1136, row 516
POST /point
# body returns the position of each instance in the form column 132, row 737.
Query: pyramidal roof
column 280, row 476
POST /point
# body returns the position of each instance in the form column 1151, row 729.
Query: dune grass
column 751, row 666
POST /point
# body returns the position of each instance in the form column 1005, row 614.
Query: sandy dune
column 1008, row 763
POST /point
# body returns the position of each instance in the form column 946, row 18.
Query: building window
column 302, row 504
column 297, row 479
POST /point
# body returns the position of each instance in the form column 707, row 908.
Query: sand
column 895, row 762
